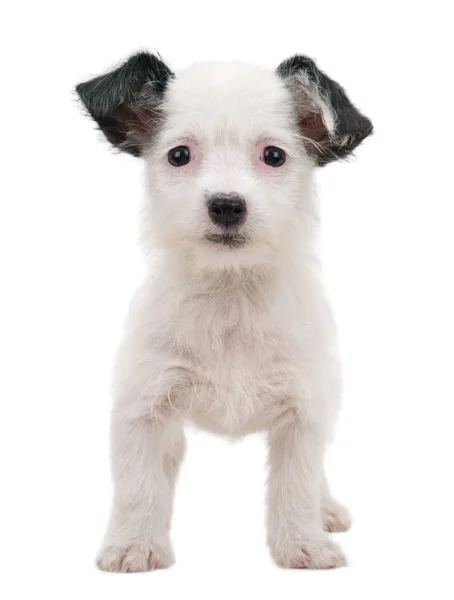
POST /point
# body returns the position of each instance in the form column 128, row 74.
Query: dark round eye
column 273, row 156
column 179, row 156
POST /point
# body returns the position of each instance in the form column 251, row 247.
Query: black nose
column 227, row 209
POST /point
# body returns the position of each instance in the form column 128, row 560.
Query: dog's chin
column 230, row 250
column 226, row 241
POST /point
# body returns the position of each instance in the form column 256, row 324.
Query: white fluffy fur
column 234, row 340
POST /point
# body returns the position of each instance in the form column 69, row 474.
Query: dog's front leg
column 146, row 453
column 295, row 529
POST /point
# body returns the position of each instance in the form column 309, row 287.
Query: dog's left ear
column 332, row 127
column 126, row 102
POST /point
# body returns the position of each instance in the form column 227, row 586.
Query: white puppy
column 231, row 328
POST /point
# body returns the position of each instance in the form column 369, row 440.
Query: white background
column 69, row 263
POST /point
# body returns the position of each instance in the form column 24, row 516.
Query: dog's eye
column 179, row 156
column 273, row 156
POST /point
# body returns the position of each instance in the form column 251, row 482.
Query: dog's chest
column 237, row 351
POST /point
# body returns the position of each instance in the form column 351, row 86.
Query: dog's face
column 226, row 171
column 229, row 148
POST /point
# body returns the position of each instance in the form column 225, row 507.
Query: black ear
column 332, row 127
column 125, row 103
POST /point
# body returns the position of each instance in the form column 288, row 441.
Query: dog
column 230, row 329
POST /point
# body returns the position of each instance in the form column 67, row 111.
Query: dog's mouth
column 232, row 240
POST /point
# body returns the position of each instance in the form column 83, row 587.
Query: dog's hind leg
column 146, row 454
column 336, row 517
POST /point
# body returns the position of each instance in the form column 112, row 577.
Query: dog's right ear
column 125, row 103
column 331, row 126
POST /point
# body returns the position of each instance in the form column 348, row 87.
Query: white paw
column 336, row 517
column 133, row 558
column 313, row 553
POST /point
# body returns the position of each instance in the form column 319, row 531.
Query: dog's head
column 229, row 148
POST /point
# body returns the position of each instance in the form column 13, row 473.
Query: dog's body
column 230, row 329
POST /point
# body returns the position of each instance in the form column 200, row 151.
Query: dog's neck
column 182, row 271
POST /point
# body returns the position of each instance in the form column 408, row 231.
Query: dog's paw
column 317, row 553
column 320, row 554
column 336, row 517
column 133, row 558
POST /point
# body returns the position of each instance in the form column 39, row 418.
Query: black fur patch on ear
column 125, row 102
column 331, row 125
